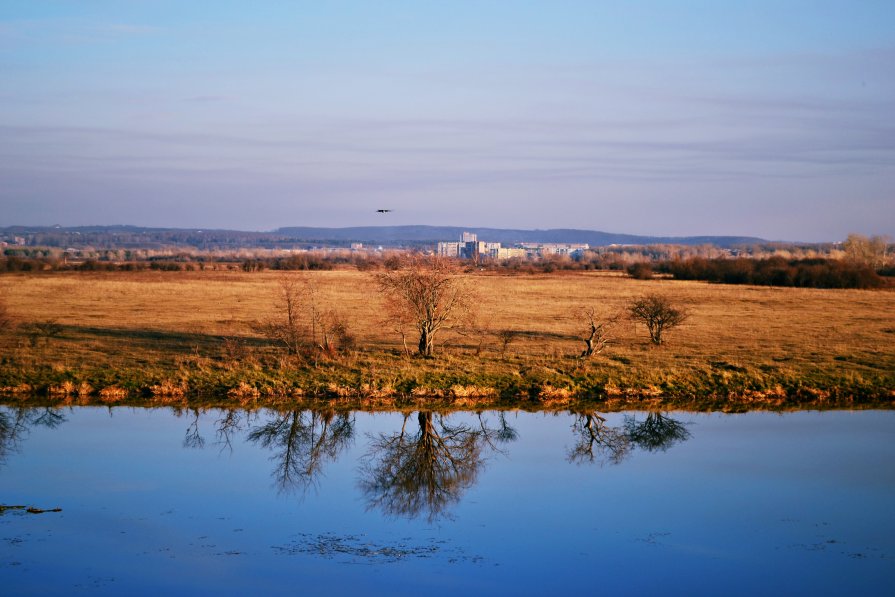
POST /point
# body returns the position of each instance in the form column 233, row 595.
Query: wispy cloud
column 205, row 99
column 70, row 30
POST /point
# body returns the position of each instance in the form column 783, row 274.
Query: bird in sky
column 383, row 211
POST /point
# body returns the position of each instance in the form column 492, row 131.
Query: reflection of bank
column 409, row 474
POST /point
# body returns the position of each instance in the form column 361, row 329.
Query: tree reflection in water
column 193, row 438
column 657, row 433
column 408, row 473
column 229, row 423
column 600, row 442
column 16, row 422
column 426, row 472
column 597, row 441
column 302, row 442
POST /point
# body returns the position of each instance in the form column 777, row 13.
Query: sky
column 681, row 117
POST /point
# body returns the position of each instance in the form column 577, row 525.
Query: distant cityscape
column 470, row 247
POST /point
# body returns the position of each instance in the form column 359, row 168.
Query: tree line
column 775, row 271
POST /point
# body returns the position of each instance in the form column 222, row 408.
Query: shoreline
column 456, row 399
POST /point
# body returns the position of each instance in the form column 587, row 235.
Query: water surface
column 231, row 502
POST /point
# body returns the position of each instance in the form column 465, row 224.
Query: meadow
column 187, row 336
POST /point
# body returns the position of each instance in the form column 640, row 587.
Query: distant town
column 470, row 247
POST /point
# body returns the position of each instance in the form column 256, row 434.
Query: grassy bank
column 188, row 336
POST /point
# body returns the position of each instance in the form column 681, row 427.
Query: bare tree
column 427, row 294
column 335, row 335
column 658, row 313
column 872, row 251
column 506, row 337
column 285, row 327
column 597, row 331
column 302, row 323
column 478, row 330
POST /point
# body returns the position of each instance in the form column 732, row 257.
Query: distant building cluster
column 470, row 247
column 6, row 241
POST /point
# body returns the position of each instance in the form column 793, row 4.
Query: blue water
column 156, row 500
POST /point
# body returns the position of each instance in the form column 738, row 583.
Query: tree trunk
column 589, row 342
column 426, row 341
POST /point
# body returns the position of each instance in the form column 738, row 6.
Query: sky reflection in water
column 279, row 502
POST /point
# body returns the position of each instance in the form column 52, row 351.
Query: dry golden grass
column 174, row 318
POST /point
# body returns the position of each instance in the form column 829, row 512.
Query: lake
column 234, row 502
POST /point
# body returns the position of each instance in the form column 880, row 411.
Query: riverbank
column 442, row 383
column 190, row 336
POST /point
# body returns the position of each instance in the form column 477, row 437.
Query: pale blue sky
column 774, row 119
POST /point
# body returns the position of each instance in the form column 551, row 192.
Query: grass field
column 164, row 333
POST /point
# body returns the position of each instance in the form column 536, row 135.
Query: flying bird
column 383, row 211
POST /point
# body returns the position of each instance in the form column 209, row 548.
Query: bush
column 658, row 313
column 640, row 271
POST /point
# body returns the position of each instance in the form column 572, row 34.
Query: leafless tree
column 427, row 295
column 477, row 330
column 302, row 323
column 872, row 251
column 597, row 441
column 334, row 333
column 658, row 313
column 285, row 326
column 506, row 337
column 597, row 331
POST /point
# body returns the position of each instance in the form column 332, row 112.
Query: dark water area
column 232, row 502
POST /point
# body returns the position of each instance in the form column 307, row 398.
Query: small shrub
column 42, row 330
column 658, row 313
column 640, row 271
column 167, row 389
column 112, row 394
column 66, row 388
column 244, row 392
column 553, row 395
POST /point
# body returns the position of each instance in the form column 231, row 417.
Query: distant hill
column 432, row 234
column 388, row 236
